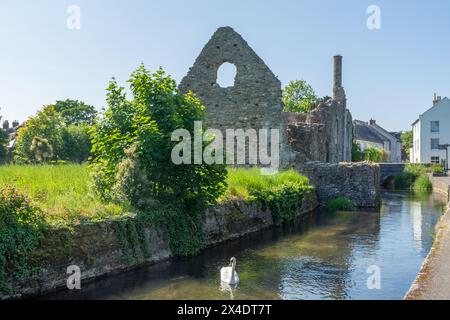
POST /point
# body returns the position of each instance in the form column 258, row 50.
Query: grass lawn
column 242, row 182
column 64, row 191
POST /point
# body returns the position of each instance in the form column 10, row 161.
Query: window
column 226, row 75
column 435, row 160
column 434, row 126
column 434, row 144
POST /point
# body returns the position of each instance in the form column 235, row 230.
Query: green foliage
column 132, row 239
column 372, row 154
column 132, row 149
column 185, row 233
column 407, row 143
column 375, row 155
column 340, row 204
column 41, row 149
column 298, row 96
column 146, row 124
column 76, row 143
column 438, row 170
column 422, row 183
column 46, row 124
column 66, row 130
column 76, row 112
column 4, row 139
column 410, row 174
column 63, row 192
column 21, row 228
column 357, row 154
column 282, row 193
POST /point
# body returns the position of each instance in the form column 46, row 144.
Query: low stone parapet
column 358, row 181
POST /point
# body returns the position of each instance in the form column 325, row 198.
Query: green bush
column 282, row 193
column 410, row 174
column 340, row 204
column 437, row 169
column 132, row 153
column 21, row 228
column 422, row 183
column 298, row 96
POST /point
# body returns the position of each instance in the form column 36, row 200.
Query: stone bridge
column 389, row 170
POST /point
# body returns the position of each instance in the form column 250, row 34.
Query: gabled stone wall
column 255, row 102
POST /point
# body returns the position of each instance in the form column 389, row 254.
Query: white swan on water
column 228, row 274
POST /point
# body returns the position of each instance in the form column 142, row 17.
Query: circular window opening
column 226, row 75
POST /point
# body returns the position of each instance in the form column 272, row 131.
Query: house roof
column 364, row 131
column 445, row 99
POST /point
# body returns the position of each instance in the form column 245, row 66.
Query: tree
column 144, row 126
column 407, row 143
column 76, row 112
column 132, row 147
column 69, row 141
column 41, row 149
column 298, row 96
column 75, row 143
column 47, row 124
column 4, row 139
column 357, row 154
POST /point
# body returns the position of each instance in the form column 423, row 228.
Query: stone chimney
column 15, row 123
column 338, row 90
column 6, row 124
column 372, row 121
column 436, row 99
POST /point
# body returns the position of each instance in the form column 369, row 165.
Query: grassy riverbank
column 65, row 194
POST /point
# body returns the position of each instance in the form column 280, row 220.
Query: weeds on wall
column 21, row 229
column 340, row 204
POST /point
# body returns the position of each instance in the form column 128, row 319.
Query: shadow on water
column 320, row 256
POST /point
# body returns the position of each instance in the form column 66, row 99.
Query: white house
column 431, row 130
column 370, row 134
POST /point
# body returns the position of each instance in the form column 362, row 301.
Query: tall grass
column 411, row 173
column 242, row 183
column 282, row 194
column 65, row 192
column 62, row 191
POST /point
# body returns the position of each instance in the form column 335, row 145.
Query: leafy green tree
column 375, row 155
column 41, row 149
column 298, row 96
column 76, row 112
column 75, row 143
column 3, row 144
column 4, row 139
column 407, row 143
column 357, row 154
column 132, row 149
column 146, row 124
column 47, row 124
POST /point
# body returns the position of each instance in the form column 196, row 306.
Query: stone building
column 324, row 134
column 255, row 102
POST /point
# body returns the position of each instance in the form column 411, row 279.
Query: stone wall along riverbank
column 97, row 250
column 433, row 280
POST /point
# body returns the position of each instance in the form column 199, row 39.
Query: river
column 321, row 256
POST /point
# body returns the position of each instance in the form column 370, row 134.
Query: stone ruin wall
column 321, row 136
column 254, row 101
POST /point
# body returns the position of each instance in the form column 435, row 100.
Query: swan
column 228, row 274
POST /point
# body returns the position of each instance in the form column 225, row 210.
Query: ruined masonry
column 308, row 140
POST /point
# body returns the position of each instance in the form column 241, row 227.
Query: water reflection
column 322, row 256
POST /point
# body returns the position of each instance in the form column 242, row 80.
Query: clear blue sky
column 389, row 74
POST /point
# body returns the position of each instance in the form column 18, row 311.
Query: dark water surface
column 322, row 256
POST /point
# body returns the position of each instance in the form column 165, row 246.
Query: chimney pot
column 372, row 121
